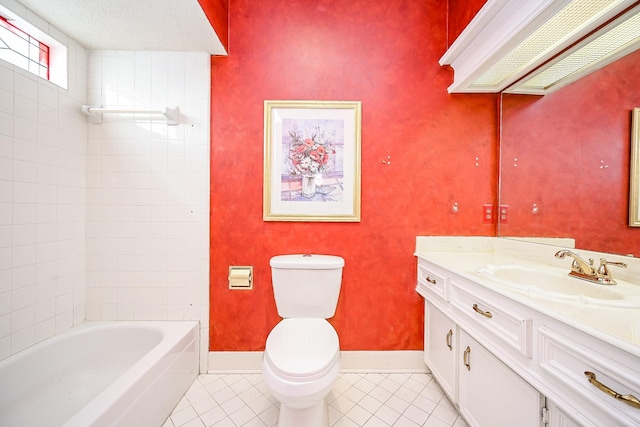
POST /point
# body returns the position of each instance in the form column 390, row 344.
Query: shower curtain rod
column 95, row 113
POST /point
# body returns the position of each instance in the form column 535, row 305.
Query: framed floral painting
column 312, row 161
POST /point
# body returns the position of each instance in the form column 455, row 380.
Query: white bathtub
column 101, row 374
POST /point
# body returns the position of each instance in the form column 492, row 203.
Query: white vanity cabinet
column 487, row 392
column 505, row 362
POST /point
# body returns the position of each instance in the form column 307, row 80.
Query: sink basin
column 555, row 283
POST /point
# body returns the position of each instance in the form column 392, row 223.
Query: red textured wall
column 461, row 12
column 573, row 151
column 442, row 149
column 217, row 12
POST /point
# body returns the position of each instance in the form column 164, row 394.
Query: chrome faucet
column 584, row 270
column 578, row 265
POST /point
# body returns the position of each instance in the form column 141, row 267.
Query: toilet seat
column 302, row 349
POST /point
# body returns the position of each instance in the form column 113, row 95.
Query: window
column 35, row 47
column 22, row 50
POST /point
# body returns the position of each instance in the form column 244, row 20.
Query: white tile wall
column 148, row 189
column 107, row 221
column 43, row 143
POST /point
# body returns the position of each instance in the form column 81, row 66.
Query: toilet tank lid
column 307, row 261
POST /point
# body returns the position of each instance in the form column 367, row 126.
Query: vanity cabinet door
column 440, row 348
column 558, row 418
column 491, row 394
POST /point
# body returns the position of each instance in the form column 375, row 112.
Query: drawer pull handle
column 626, row 398
column 465, row 358
column 430, row 280
column 449, row 335
column 484, row 313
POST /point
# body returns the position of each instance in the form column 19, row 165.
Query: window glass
column 22, row 50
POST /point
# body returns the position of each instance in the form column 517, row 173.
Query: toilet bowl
column 300, row 364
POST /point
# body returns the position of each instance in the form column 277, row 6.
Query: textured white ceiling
column 169, row 25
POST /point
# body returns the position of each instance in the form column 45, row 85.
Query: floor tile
column 356, row 400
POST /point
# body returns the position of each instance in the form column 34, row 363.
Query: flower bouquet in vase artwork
column 309, row 154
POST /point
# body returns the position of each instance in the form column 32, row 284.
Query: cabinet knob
column 430, row 280
column 448, row 340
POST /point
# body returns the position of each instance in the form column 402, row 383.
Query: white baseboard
column 352, row 361
column 234, row 361
column 384, row 361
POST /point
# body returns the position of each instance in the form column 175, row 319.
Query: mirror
column 565, row 161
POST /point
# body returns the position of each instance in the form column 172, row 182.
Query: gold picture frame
column 312, row 161
column 634, row 172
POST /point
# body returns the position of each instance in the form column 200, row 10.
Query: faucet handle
column 604, row 275
column 604, row 263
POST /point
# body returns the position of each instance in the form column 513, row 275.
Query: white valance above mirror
column 531, row 46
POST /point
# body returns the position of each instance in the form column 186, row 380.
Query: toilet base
column 312, row 416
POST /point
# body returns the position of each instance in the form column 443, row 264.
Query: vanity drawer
column 508, row 325
column 568, row 361
column 436, row 282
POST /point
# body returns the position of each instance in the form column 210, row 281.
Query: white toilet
column 302, row 355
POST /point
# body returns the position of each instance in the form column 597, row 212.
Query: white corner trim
column 352, row 361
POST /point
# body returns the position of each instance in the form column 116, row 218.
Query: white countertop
column 464, row 256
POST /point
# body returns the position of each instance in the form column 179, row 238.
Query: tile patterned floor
column 369, row 400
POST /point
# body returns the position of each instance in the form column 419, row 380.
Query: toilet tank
column 306, row 285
